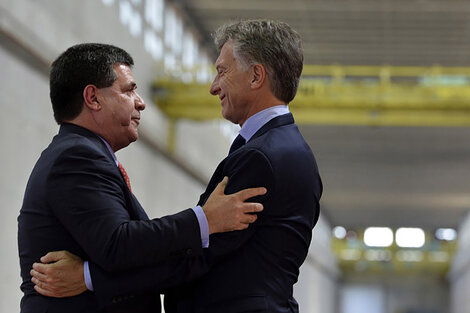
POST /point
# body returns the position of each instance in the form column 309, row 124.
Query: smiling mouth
column 222, row 98
column 136, row 120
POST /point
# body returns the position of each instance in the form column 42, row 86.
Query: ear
column 258, row 76
column 90, row 97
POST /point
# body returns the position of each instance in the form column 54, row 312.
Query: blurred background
column 384, row 103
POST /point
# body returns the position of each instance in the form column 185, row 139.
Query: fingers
column 250, row 193
column 53, row 256
column 38, row 275
column 41, row 286
column 231, row 212
column 252, row 207
column 42, row 276
column 244, row 220
column 221, row 186
column 42, row 291
column 41, row 268
column 248, row 219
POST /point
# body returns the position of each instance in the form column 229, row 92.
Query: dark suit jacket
column 255, row 269
column 77, row 200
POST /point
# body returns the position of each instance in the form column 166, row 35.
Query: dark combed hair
column 77, row 67
column 272, row 43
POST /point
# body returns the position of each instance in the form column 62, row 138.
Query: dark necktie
column 237, row 143
column 124, row 174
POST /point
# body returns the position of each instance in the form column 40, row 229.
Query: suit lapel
column 66, row 128
column 135, row 210
column 219, row 172
column 278, row 121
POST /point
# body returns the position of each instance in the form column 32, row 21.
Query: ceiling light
column 447, row 234
column 378, row 237
column 339, row 232
column 407, row 237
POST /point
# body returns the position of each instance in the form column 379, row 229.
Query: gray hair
column 272, row 43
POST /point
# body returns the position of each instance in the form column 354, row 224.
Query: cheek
column 125, row 112
column 129, row 106
column 227, row 84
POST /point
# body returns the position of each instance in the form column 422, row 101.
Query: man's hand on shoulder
column 59, row 275
column 231, row 212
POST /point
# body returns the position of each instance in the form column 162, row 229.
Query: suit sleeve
column 113, row 287
column 252, row 169
column 85, row 193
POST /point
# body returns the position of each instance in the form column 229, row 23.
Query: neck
column 262, row 102
column 86, row 120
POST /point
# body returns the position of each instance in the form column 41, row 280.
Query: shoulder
column 282, row 140
column 80, row 145
column 72, row 151
column 248, row 154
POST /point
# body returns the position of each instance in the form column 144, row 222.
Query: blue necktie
column 237, row 143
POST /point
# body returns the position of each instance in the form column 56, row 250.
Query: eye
column 131, row 90
column 220, row 70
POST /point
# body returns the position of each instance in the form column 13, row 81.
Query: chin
column 232, row 119
column 133, row 138
column 133, row 133
column 227, row 116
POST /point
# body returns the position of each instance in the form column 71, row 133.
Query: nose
column 215, row 89
column 139, row 102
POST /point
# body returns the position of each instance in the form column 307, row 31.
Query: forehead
column 123, row 73
column 226, row 54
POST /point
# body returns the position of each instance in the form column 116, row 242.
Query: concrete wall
column 32, row 34
column 316, row 290
column 459, row 275
column 393, row 293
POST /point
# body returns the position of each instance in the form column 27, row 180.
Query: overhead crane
column 347, row 95
column 342, row 95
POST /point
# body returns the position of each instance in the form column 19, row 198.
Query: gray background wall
column 34, row 32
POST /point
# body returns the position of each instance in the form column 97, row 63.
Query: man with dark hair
column 253, row 270
column 77, row 67
column 79, row 198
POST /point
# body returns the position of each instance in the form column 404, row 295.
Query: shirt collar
column 258, row 120
column 110, row 150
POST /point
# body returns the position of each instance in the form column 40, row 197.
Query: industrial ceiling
column 374, row 176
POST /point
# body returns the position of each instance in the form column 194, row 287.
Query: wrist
column 209, row 219
column 87, row 276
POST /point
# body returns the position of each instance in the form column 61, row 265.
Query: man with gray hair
column 258, row 73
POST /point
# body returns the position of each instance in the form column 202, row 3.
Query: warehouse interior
column 384, row 103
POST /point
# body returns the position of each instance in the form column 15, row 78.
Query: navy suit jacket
column 77, row 200
column 255, row 269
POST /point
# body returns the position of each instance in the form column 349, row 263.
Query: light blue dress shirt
column 258, row 120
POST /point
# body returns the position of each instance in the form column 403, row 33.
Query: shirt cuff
column 203, row 225
column 86, row 273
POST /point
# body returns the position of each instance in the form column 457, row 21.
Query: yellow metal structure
column 348, row 95
column 354, row 256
